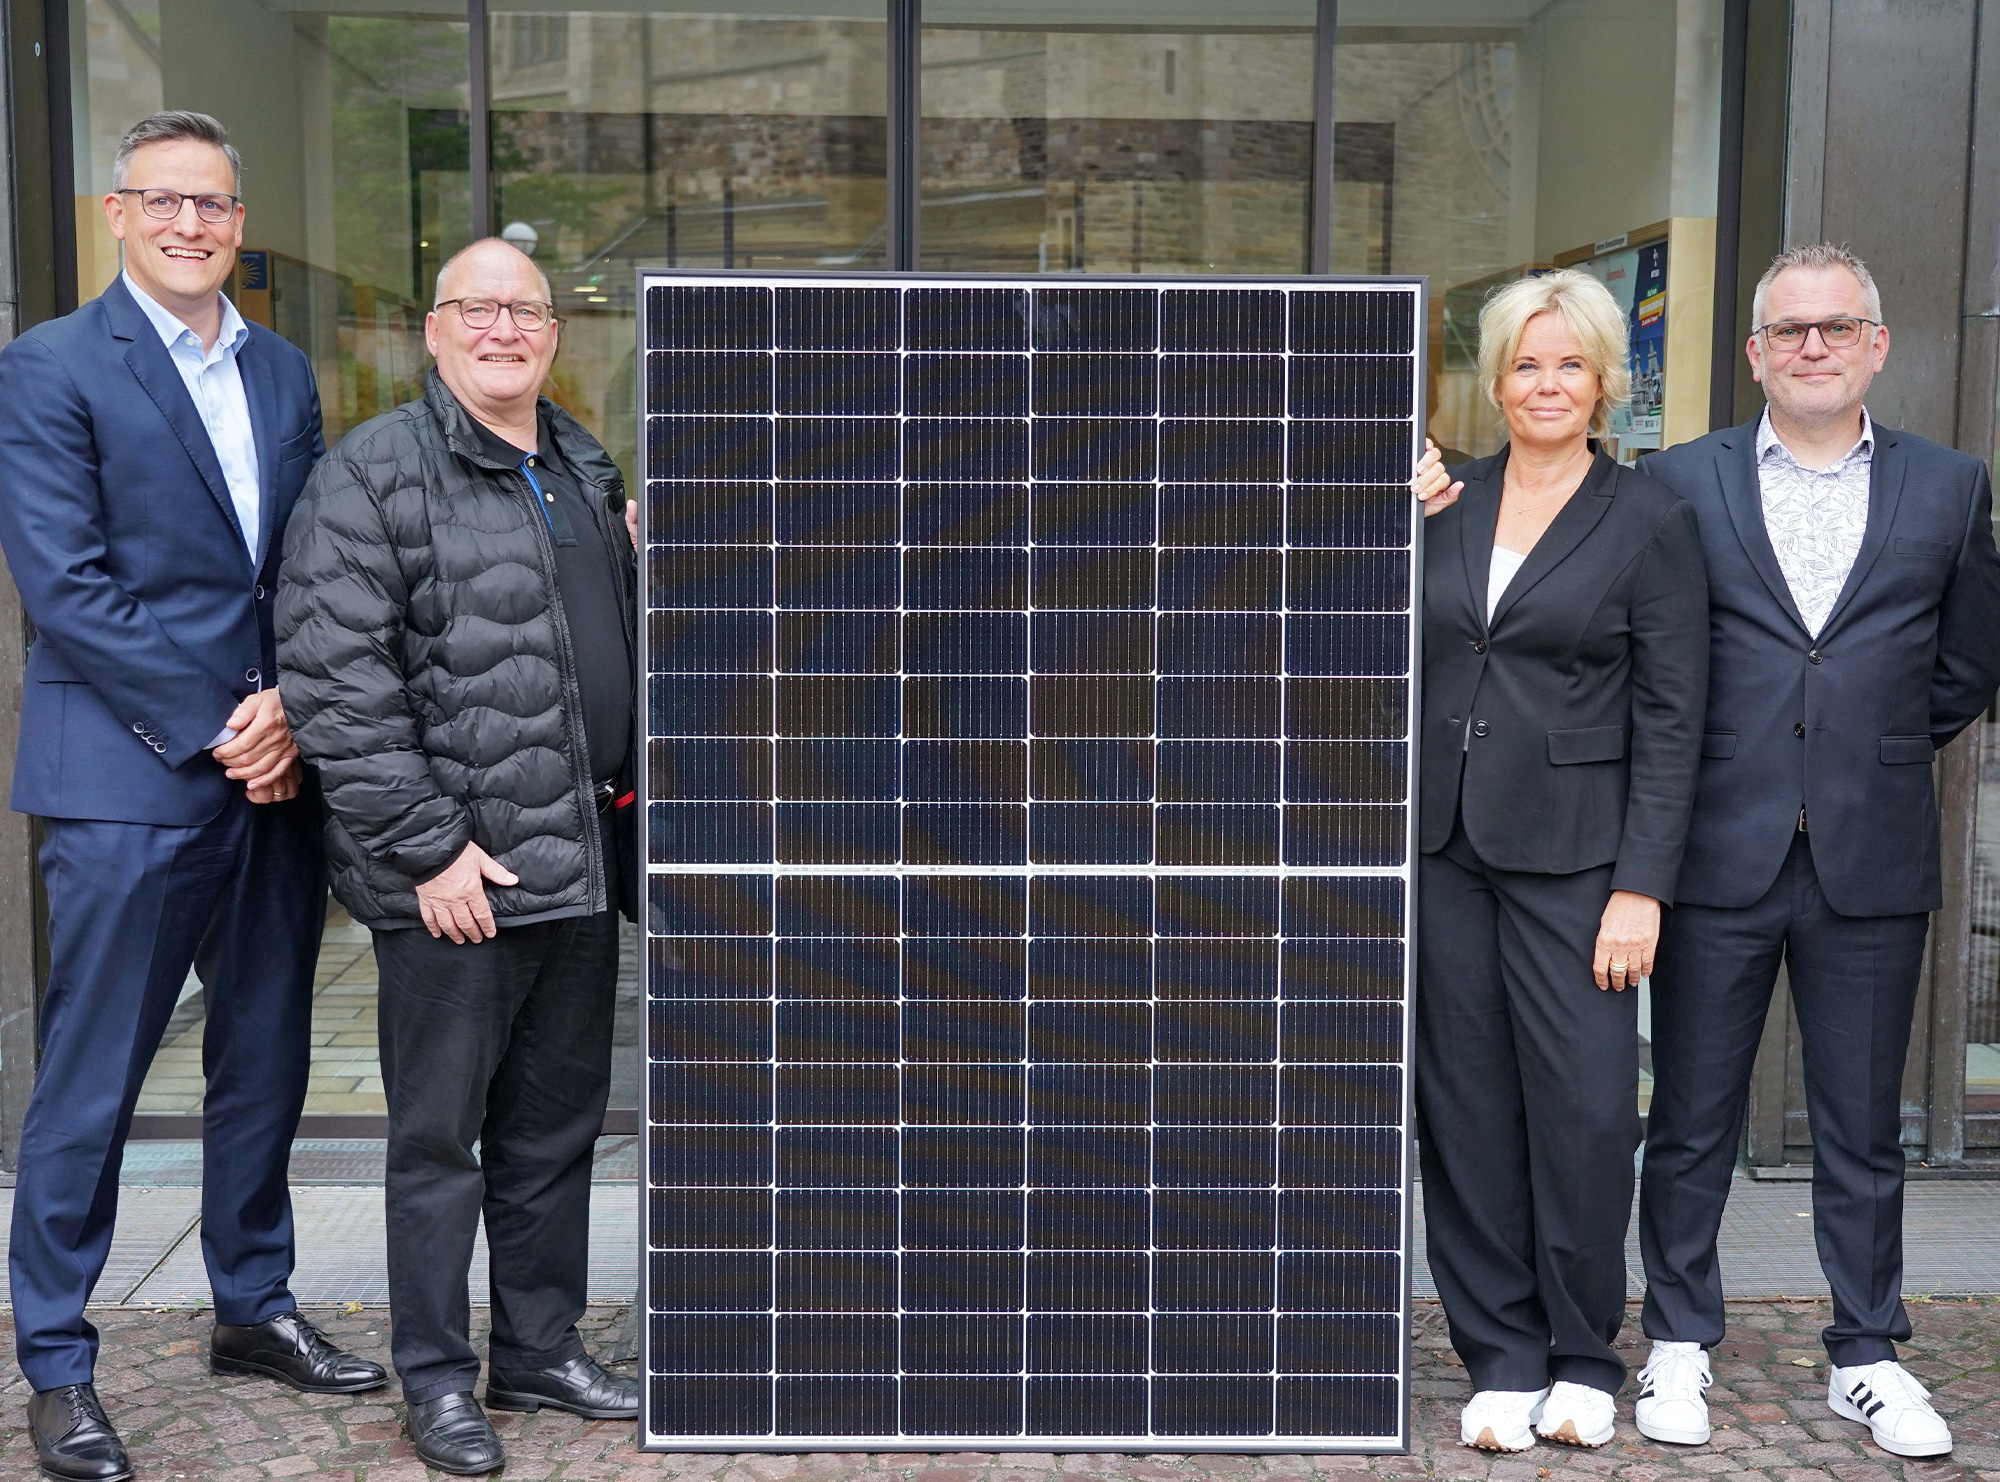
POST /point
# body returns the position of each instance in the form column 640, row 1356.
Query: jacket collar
column 1573, row 522
column 1736, row 453
column 579, row 449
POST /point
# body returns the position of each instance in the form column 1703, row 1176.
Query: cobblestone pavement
column 1769, row 1406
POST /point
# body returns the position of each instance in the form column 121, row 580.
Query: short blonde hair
column 1588, row 311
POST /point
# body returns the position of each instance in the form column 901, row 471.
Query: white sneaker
column 1885, row 1397
column 1673, row 1404
column 1576, row 1415
column 1501, row 1419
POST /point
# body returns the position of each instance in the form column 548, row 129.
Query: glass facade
column 1469, row 143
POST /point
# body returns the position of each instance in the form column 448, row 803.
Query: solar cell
column 1028, row 824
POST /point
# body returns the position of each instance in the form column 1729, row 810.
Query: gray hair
column 1817, row 255
column 175, row 123
column 437, row 291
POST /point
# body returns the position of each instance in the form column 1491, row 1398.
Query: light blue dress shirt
column 216, row 387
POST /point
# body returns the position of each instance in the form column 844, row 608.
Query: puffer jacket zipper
column 593, row 862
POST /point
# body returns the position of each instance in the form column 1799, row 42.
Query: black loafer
column 73, row 1440
column 579, row 1386
column 453, row 1434
column 290, row 1349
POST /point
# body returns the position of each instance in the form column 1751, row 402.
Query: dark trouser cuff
column 504, row 1356
column 453, row 1382
column 1849, row 1353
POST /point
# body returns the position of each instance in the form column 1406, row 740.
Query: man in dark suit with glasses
column 153, row 445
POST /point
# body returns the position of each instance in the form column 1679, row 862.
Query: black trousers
column 1527, row 1115
column 504, row 1043
column 1854, row 983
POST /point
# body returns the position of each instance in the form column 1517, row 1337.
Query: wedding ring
column 1619, row 967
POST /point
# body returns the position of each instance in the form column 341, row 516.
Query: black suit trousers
column 1854, row 984
column 504, row 1043
column 1527, row 1106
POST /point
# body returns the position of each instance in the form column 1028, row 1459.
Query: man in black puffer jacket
column 456, row 654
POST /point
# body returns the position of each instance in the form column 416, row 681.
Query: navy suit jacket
column 152, row 618
column 1844, row 724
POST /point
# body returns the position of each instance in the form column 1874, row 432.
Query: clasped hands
column 262, row 755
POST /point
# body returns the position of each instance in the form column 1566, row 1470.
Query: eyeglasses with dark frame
column 164, row 205
column 1843, row 333
column 528, row 314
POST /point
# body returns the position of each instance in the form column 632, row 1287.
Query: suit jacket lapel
column 1885, row 491
column 1736, row 467
column 261, row 392
column 1566, row 532
column 154, row 369
column 1480, row 506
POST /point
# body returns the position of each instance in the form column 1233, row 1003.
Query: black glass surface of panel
column 965, row 642
column 710, row 447
column 964, row 1281
column 686, row 511
column 1095, row 385
column 1222, row 515
column 835, row 968
column 967, row 319
column 1093, row 642
column 710, row 1156
column 1096, row 771
column 712, row 967
column 708, row 317
column 835, row 1157
column 836, row 385
column 838, row 771
column 852, row 319
column 961, row 1406
column 708, row 642
column 965, row 514
column 709, row 905
column 961, row 578
column 1214, row 1281
column 1089, row 968
column 837, row 514
column 1242, row 320
column 965, row 385
column 1220, row 643
column 963, row 1157
column 1058, row 1079
column 839, row 642
column 1092, row 514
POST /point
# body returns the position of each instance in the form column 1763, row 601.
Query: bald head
column 475, row 260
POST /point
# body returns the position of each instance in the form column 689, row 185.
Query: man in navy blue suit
column 152, row 445
column 1854, row 613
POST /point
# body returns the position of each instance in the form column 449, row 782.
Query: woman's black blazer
column 1567, row 734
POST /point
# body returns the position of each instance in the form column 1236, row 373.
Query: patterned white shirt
column 1815, row 517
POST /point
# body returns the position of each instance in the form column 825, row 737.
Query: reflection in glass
column 682, row 136
column 1982, row 1007
column 1523, row 136
column 1170, row 137
column 354, row 141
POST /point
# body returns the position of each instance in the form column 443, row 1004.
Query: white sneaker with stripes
column 1673, row 1395
column 1886, row 1397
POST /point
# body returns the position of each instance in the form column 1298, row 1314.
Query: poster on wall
column 1637, row 278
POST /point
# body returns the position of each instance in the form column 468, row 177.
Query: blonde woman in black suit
column 1565, row 670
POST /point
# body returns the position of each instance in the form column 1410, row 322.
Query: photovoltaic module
column 1028, row 804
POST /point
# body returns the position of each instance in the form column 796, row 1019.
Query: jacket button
column 138, row 728
column 259, row 593
column 161, row 747
column 1479, row 645
column 1479, row 728
column 1799, row 728
column 1814, row 657
column 252, row 675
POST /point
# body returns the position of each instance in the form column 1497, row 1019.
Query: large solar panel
column 1028, row 800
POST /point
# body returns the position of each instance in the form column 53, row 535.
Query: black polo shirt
column 589, row 587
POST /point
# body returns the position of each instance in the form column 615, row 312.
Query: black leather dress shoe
column 453, row 1434
column 290, row 1349
column 73, row 1440
column 579, row 1386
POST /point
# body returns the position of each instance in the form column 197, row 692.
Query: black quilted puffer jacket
column 426, row 666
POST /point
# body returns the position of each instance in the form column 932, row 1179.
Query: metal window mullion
column 1319, row 193
column 905, row 110
column 478, row 107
